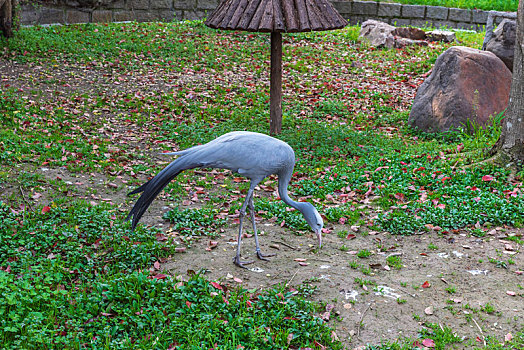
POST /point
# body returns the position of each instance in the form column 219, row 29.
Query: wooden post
column 275, row 91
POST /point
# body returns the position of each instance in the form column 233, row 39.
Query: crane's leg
column 236, row 259
column 252, row 214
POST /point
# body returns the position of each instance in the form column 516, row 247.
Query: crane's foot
column 240, row 263
column 264, row 256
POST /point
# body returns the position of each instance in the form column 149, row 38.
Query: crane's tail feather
column 153, row 187
column 138, row 189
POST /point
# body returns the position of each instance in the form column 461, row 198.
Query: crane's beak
column 319, row 236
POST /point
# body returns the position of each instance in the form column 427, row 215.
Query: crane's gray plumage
column 249, row 154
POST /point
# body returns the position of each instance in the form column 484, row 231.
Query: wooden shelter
column 276, row 17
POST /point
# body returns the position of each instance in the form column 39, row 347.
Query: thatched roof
column 276, row 16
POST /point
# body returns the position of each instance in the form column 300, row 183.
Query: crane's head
column 314, row 219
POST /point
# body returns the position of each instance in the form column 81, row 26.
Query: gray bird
column 249, row 154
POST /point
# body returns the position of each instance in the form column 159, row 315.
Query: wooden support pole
column 275, row 91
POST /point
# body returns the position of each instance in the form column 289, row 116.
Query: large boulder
column 502, row 43
column 466, row 85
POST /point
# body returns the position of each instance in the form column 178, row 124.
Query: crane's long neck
column 283, row 182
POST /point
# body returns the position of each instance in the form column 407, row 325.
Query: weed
column 364, row 253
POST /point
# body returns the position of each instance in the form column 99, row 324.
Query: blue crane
column 249, row 154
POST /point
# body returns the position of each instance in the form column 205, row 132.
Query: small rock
column 441, row 35
column 409, row 33
column 502, row 44
column 376, row 32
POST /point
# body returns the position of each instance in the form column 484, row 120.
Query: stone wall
column 414, row 15
column 34, row 12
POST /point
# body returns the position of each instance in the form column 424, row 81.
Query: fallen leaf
column 157, row 265
column 428, row 310
column 216, row 285
column 46, row 209
column 487, row 178
column 426, row 284
column 428, row 343
column 508, row 337
column 509, row 292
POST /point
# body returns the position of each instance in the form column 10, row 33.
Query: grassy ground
column 497, row 5
column 86, row 108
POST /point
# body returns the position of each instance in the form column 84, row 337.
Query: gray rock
column 376, row 32
column 465, row 86
column 459, row 15
column 367, row 8
column 441, row 35
column 389, row 10
column 400, row 43
column 413, row 11
column 437, row 12
column 502, row 43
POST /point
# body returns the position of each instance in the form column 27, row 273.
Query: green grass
column 79, row 276
column 499, row 5
column 76, row 275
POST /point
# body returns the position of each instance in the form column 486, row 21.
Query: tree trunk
column 275, row 90
column 510, row 146
column 7, row 13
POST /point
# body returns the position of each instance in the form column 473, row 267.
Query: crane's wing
column 252, row 155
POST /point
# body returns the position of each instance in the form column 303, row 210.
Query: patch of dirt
column 394, row 303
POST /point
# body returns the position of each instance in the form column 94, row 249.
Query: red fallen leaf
column 426, row 284
column 303, row 263
column 290, row 318
column 487, row 178
column 508, row 337
column 157, row 265
column 441, row 206
column 428, row 343
column 351, row 236
column 106, row 314
column 188, row 304
column 283, row 223
column 400, row 196
column 237, row 280
column 478, row 339
column 511, row 293
column 225, row 300
column 248, row 303
column 46, row 209
column 445, row 178
column 211, row 245
column 342, row 220
column 322, row 347
column 160, row 276
column 300, row 259
column 8, row 269
column 216, row 285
